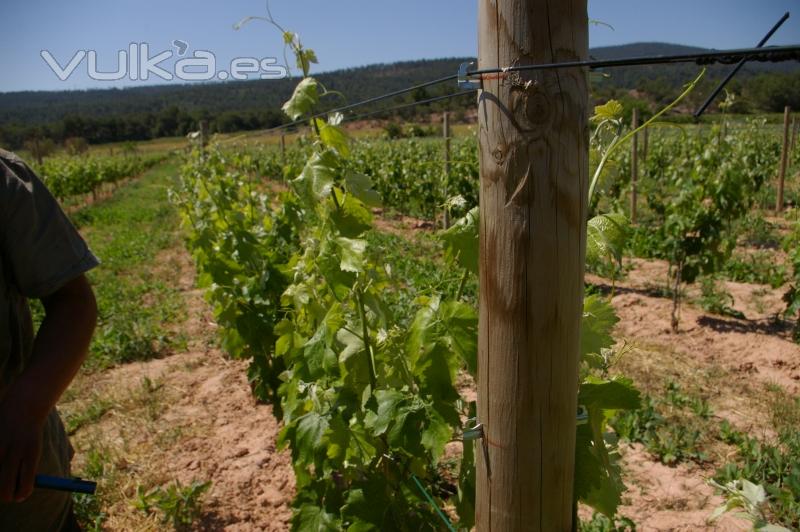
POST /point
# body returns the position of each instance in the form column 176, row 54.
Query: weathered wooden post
column 203, row 135
column 283, row 149
column 533, row 151
column 634, row 163
column 446, row 177
column 784, row 158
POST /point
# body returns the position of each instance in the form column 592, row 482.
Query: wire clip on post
column 476, row 432
column 464, row 81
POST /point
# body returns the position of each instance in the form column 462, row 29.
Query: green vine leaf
column 304, row 98
column 461, row 240
column 318, row 175
column 611, row 110
column 352, row 254
column 360, row 186
column 311, row 518
column 606, row 235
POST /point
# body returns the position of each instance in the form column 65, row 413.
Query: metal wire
column 412, row 104
column 767, row 54
column 739, row 65
column 368, row 101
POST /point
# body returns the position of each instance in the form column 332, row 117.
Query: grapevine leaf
column 611, row 110
column 360, row 185
column 598, row 321
column 437, row 374
column 309, row 436
column 594, row 486
column 333, row 136
column 304, row 59
column 338, row 438
column 461, row 326
column 615, row 394
column 598, row 480
column 303, row 100
column 351, row 218
column 352, row 365
column 311, row 518
column 605, row 237
column 318, row 355
column 465, row 502
column 436, row 434
column 352, row 254
column 367, row 505
column 388, row 402
column 318, row 174
column 417, row 344
column 461, row 240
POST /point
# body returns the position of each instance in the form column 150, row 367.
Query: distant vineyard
column 72, row 176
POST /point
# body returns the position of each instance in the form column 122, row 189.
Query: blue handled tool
column 74, row 485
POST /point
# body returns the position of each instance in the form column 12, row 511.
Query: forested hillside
column 140, row 113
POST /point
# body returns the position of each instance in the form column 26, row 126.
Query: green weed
column 179, row 505
column 716, row 300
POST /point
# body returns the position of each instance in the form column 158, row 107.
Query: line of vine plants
column 368, row 404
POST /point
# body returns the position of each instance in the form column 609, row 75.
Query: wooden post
column 204, row 134
column 446, row 184
column 533, row 151
column 784, row 158
column 634, row 163
column 283, row 149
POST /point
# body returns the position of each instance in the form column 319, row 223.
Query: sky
column 344, row 33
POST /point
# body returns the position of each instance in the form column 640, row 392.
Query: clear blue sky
column 344, row 33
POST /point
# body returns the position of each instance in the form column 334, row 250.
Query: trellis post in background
column 533, row 151
column 634, row 163
column 204, row 134
column 784, row 158
column 283, row 149
column 446, row 177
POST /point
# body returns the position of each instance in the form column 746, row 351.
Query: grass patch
column 91, row 413
column 136, row 301
column 756, row 268
column 673, row 426
column 418, row 263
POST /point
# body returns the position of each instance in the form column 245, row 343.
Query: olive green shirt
column 40, row 251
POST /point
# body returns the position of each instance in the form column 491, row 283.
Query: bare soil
column 193, row 420
column 196, row 419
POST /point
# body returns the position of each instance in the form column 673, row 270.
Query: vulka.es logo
column 136, row 63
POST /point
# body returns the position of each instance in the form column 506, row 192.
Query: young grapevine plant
column 369, row 399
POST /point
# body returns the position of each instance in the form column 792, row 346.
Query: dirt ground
column 728, row 360
column 191, row 417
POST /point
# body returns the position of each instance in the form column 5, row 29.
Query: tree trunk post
column 533, row 149
column 446, row 183
column 784, row 158
column 634, row 163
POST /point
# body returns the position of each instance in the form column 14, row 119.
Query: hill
column 103, row 115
